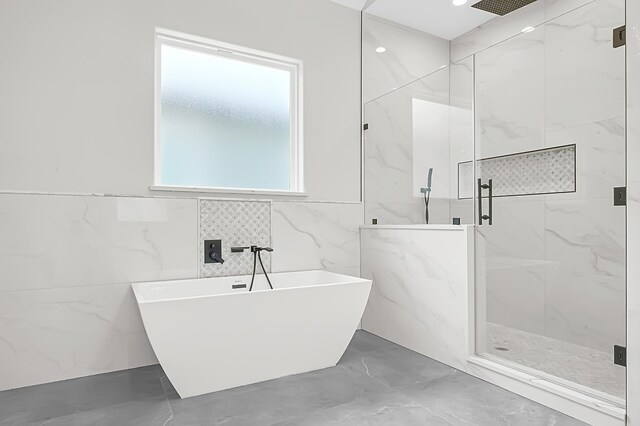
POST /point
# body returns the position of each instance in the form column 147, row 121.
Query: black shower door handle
column 482, row 217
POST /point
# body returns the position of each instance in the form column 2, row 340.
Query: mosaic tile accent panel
column 548, row 171
column 236, row 223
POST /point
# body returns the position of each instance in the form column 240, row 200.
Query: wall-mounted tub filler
column 256, row 256
column 206, row 338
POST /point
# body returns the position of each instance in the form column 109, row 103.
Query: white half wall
column 419, row 293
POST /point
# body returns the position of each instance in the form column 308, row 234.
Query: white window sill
column 172, row 188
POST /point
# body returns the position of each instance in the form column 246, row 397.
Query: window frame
column 226, row 50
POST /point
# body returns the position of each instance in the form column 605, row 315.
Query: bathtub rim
column 138, row 287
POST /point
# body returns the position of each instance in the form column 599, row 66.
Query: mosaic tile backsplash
column 236, row 223
column 548, row 171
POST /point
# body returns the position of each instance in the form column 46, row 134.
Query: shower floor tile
column 375, row 383
column 585, row 366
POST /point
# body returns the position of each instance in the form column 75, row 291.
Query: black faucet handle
column 256, row 249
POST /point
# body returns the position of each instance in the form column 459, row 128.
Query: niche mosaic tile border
column 236, row 223
column 545, row 171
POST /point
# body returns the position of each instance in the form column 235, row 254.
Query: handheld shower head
column 429, row 176
column 427, row 195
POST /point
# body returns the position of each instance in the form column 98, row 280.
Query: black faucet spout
column 239, row 249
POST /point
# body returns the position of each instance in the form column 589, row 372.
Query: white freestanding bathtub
column 212, row 334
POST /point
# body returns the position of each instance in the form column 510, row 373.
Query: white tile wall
column 461, row 126
column 509, row 103
column 66, row 306
column 599, row 156
column 407, row 135
column 316, row 236
column 419, row 295
column 60, row 333
column 52, row 241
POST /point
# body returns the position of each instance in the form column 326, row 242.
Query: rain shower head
column 501, row 7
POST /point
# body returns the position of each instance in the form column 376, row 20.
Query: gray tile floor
column 376, row 383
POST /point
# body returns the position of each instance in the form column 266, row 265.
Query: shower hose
column 256, row 257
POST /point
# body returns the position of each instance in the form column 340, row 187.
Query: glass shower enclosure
column 425, row 125
column 526, row 140
column 550, row 147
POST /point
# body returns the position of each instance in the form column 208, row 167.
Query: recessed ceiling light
column 459, row 2
column 381, row 49
column 527, row 29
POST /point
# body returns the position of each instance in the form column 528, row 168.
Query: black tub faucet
column 253, row 249
column 256, row 258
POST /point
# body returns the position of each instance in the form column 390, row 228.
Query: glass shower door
column 550, row 243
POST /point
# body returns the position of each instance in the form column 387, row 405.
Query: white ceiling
column 437, row 17
column 354, row 4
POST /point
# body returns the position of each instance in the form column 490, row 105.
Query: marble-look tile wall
column 66, row 306
column 461, row 134
column 409, row 55
column 633, row 212
column 560, row 84
column 419, row 297
column 309, row 235
column 408, row 134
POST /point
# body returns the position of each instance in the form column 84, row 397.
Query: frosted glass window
column 227, row 119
